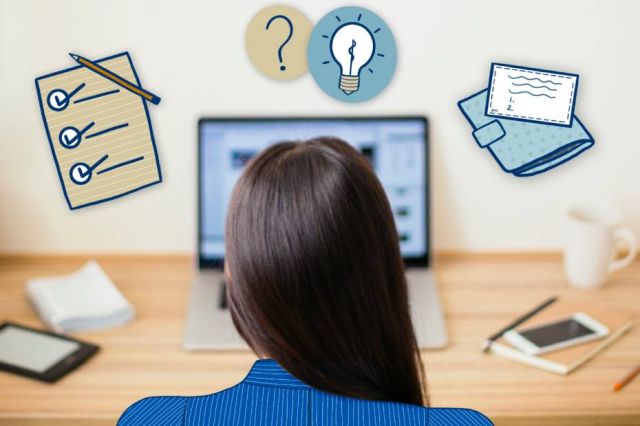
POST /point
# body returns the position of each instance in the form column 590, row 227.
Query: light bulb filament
column 350, row 50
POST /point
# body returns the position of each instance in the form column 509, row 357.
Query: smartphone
column 40, row 354
column 576, row 329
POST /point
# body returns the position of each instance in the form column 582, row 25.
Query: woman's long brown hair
column 316, row 280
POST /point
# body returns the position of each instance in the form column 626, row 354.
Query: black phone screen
column 556, row 332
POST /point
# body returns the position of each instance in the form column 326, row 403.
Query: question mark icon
column 284, row 43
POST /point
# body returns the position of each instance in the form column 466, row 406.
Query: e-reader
column 40, row 355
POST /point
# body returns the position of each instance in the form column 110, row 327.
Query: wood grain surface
column 480, row 293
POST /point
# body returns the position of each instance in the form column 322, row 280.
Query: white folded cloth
column 83, row 300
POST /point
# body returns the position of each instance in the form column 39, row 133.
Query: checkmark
column 72, row 140
column 61, row 100
column 80, row 173
column 70, row 137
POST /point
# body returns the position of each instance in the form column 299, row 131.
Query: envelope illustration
column 524, row 148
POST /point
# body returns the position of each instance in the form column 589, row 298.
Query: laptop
column 398, row 150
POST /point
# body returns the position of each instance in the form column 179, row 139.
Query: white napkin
column 83, row 300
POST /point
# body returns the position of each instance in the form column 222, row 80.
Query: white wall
column 192, row 54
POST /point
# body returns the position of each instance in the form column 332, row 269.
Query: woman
column 316, row 287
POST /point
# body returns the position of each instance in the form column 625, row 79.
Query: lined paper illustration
column 530, row 94
column 99, row 130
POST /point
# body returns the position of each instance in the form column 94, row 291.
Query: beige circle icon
column 276, row 42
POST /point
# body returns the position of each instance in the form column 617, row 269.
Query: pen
column 116, row 79
column 487, row 343
column 626, row 379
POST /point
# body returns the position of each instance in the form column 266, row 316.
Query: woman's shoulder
column 457, row 416
column 333, row 409
column 155, row 410
column 180, row 410
column 401, row 413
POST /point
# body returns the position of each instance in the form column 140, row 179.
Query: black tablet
column 39, row 354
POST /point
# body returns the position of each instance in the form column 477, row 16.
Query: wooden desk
column 480, row 294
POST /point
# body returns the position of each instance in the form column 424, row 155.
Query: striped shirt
column 269, row 395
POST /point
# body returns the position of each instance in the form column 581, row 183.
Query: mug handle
column 626, row 235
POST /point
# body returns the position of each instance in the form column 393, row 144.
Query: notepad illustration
column 99, row 129
column 526, row 119
column 531, row 94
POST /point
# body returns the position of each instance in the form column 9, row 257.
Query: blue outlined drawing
column 99, row 95
column 352, row 46
column 283, row 67
column 531, row 94
column 276, row 41
column 70, row 137
column 117, row 166
column 107, row 130
column 115, row 78
column 352, row 54
column 58, row 99
column 100, row 135
column 524, row 148
column 80, row 173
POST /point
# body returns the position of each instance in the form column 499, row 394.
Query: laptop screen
column 396, row 148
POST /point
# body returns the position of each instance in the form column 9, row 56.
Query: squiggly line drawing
column 534, row 78
column 532, row 94
column 535, row 87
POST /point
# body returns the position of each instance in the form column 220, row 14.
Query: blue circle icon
column 80, row 173
column 352, row 54
column 58, row 99
column 70, row 137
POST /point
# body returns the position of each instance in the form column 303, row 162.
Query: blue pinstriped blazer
column 269, row 395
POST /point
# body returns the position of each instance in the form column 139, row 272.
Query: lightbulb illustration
column 352, row 47
column 357, row 44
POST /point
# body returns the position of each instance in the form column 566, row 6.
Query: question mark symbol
column 273, row 18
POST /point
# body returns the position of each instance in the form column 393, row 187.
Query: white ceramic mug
column 590, row 249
